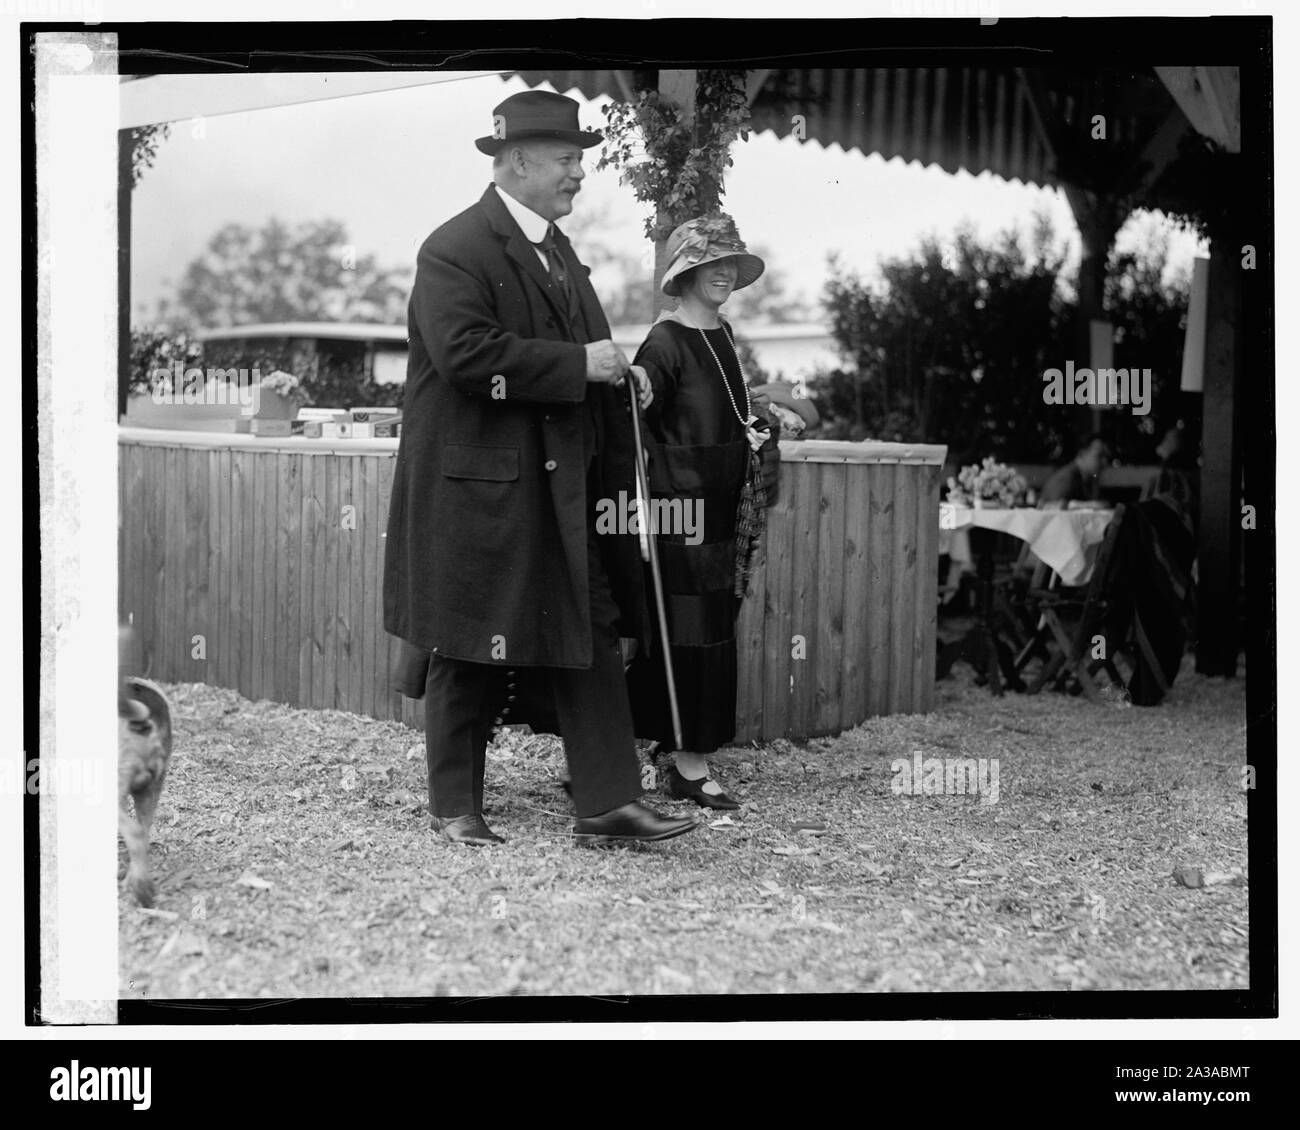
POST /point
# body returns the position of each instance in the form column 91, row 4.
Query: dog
column 144, row 750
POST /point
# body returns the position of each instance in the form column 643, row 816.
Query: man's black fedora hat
column 536, row 113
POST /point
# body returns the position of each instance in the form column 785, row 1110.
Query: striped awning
column 1021, row 125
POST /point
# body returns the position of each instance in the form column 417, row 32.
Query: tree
column 306, row 273
column 1149, row 312
column 951, row 344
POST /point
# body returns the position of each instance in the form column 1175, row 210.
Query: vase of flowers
column 989, row 485
column 279, row 396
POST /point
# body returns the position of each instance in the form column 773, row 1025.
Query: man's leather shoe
column 631, row 822
column 471, row 829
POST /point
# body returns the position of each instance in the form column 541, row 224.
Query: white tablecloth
column 1066, row 540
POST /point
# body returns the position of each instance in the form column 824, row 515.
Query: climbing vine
column 671, row 163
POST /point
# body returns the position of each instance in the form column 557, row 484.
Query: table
column 1065, row 540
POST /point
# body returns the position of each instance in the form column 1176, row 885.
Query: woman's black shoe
column 683, row 789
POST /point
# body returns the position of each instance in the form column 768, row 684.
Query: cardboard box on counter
column 323, row 415
column 371, row 415
column 260, row 427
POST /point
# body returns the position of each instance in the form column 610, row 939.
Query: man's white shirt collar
column 530, row 223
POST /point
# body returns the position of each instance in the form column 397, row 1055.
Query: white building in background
column 789, row 351
column 382, row 349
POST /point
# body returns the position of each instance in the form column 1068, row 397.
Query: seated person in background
column 1078, row 479
column 1176, row 482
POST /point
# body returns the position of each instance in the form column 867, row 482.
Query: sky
column 393, row 165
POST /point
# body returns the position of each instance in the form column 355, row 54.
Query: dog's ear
column 132, row 709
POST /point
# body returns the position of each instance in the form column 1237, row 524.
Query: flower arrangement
column 281, row 383
column 986, row 485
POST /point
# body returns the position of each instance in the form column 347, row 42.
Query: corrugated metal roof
column 971, row 118
column 959, row 118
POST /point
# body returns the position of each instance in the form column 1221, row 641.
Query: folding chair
column 1073, row 648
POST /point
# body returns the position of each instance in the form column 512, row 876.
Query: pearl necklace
column 748, row 420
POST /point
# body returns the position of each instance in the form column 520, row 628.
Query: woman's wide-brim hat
column 536, row 114
column 706, row 240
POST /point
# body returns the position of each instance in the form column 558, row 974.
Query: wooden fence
column 257, row 564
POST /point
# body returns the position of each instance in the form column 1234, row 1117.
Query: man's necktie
column 559, row 276
column 591, row 428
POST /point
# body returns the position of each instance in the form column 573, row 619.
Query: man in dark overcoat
column 515, row 424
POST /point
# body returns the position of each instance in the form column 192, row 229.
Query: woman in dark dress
column 700, row 432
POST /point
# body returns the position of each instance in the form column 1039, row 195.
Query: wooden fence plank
column 367, row 517
column 197, row 538
column 268, row 629
column 776, row 610
column 172, row 550
column 151, row 564
column 249, row 577
column 749, row 652
column 881, row 562
column 856, row 670
column 289, row 572
column 343, row 612
column 902, row 601
column 320, row 556
column 386, row 704
column 828, row 704
column 159, row 667
column 356, row 576
column 212, row 641
column 241, row 572
column 255, row 579
column 132, row 535
column 926, row 621
column 307, row 539
column 804, row 621
column 225, row 652
column 329, row 604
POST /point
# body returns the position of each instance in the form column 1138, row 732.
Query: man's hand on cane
column 606, row 362
column 645, row 392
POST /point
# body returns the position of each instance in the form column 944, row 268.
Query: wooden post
column 1218, row 561
column 677, row 87
column 1098, row 221
column 124, row 147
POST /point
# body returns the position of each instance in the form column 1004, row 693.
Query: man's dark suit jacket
column 486, row 555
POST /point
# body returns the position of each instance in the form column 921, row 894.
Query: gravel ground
column 295, row 859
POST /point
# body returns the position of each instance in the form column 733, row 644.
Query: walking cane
column 650, row 553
